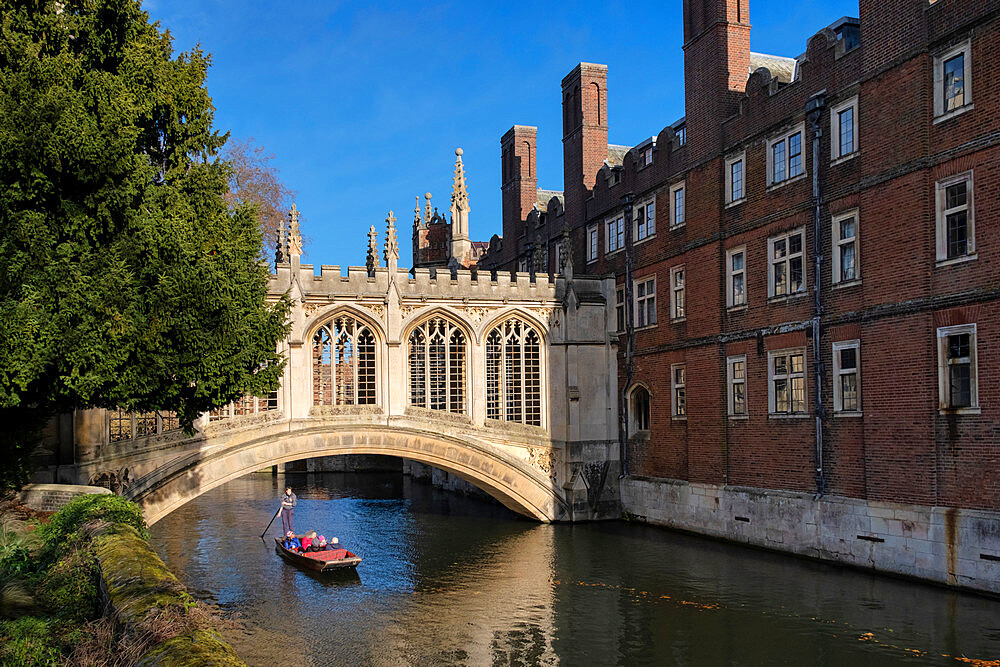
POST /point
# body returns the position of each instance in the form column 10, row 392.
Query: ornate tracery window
column 344, row 362
column 437, row 351
column 514, row 373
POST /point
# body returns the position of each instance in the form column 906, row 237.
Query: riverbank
column 83, row 587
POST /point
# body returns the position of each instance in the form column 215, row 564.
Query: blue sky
column 364, row 105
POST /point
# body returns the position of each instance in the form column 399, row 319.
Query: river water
column 452, row 580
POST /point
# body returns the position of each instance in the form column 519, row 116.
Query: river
column 453, row 580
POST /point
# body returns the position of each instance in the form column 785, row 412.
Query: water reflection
column 452, row 580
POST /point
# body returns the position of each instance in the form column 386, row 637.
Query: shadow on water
column 451, row 580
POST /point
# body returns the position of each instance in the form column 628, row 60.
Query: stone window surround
column 838, row 399
column 731, row 382
column 730, row 274
column 943, row 380
column 965, row 49
column 785, row 136
column 772, row 398
column 674, row 387
column 678, row 187
column 837, row 242
column 799, row 231
column 835, row 154
column 678, row 306
column 941, row 231
column 730, row 161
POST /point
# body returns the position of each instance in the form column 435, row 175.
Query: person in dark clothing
column 287, row 511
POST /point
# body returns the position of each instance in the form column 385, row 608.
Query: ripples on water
column 450, row 580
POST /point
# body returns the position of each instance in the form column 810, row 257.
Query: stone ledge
column 52, row 497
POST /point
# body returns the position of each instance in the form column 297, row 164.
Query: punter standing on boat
column 287, row 510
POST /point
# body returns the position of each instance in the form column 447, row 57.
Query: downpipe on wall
column 814, row 111
column 623, row 434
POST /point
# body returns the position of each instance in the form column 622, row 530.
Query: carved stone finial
column 427, row 208
column 416, row 213
column 372, row 250
column 459, row 207
column 294, row 235
column 391, row 246
column 281, row 246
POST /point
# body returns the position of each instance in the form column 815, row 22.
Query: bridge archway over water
column 520, row 487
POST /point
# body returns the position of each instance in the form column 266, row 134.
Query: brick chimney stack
column 518, row 177
column 716, row 66
column 585, row 134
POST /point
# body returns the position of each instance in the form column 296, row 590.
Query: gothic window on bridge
column 437, row 366
column 344, row 363
column 248, row 405
column 514, row 373
column 125, row 425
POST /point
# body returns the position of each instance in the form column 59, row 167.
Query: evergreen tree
column 125, row 281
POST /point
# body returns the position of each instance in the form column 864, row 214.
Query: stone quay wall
column 950, row 546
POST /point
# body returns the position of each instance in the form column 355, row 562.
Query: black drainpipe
column 814, row 111
column 627, row 200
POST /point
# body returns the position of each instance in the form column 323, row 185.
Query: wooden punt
column 318, row 561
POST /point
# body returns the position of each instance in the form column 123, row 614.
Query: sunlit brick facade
column 850, row 192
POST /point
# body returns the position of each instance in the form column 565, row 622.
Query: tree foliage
column 256, row 181
column 125, row 279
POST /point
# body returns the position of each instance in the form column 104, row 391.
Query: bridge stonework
column 564, row 468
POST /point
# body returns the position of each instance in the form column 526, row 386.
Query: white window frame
column 645, row 157
column 943, row 375
column 731, row 273
column 593, row 245
column 731, row 382
column 838, row 243
column 965, row 50
column 730, row 161
column 838, row 396
column 835, row 148
column 620, row 310
column 678, row 306
column 639, row 304
column 522, row 265
column 941, row 218
column 635, row 425
column 650, row 227
column 680, row 132
column 771, row 394
column 677, row 220
column 674, row 386
column 617, row 224
column 771, row 262
column 799, row 129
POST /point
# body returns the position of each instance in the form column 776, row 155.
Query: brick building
column 814, row 251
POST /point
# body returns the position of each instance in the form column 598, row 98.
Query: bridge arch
column 511, row 482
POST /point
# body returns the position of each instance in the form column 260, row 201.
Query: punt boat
column 318, row 561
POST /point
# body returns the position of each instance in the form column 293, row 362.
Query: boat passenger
column 307, row 539
column 334, row 544
column 318, row 544
column 291, row 542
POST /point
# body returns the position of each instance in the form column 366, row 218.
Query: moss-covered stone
column 134, row 578
column 202, row 647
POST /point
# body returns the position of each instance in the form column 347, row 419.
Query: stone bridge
column 508, row 381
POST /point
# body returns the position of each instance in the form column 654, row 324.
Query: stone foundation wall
column 346, row 463
column 950, row 546
column 52, row 497
column 442, row 479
